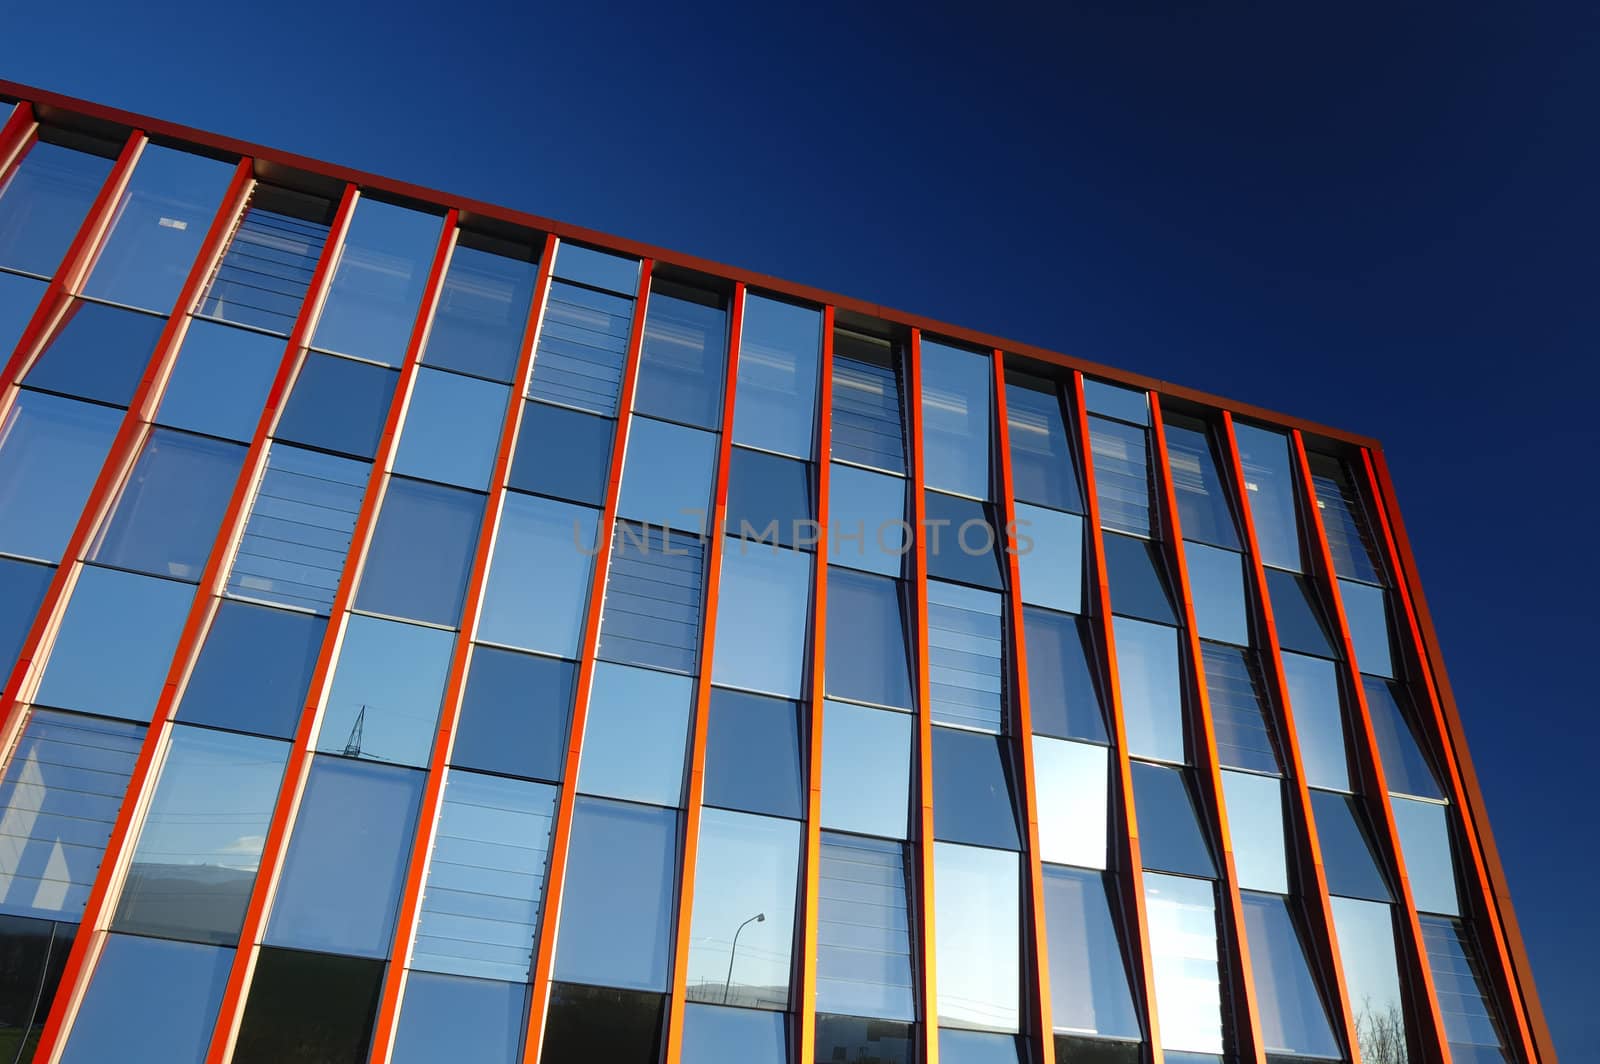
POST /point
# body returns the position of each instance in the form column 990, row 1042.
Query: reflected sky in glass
column 763, row 615
column 51, row 451
column 1366, row 609
column 1313, row 686
column 1089, row 991
column 867, row 526
column 538, row 583
column 1071, row 789
column 1114, row 400
column 779, row 350
column 1051, row 566
column 1042, row 469
column 1196, row 481
column 150, row 1002
column 957, row 419
column 1183, row 950
column 868, row 659
column 1293, row 1019
column 220, row 382
column 1270, row 493
column 1152, row 701
column 866, row 770
column 387, row 685
column 45, row 199
column 97, row 352
column 1372, row 980
column 1170, row 836
column 1255, row 824
column 667, row 474
column 377, row 287
column 1216, row 583
column 682, row 354
column 482, row 314
column 445, row 1017
column 864, row 958
column 421, row 552
column 753, row 754
column 977, row 937
column 713, row 1034
column 452, row 429
column 1347, row 851
column 1424, row 829
column 1062, row 689
column 635, row 736
column 19, row 297
column 746, row 876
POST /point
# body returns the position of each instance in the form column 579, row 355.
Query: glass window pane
column 963, row 540
column 298, row 534
column 590, row 1023
column 753, row 755
column 972, row 790
column 1255, row 824
column 744, row 900
column 763, row 614
column 776, row 402
column 1170, row 836
column 538, row 584
column 867, row 527
column 1088, row 1050
column 452, row 429
column 1042, row 469
column 97, row 352
column 1203, row 506
column 868, row 659
column 976, row 1047
column 338, row 404
column 598, row 269
column 868, row 424
column 1313, row 687
column 582, row 347
column 61, row 795
column 220, row 382
column 1405, row 766
column 347, row 857
column 1114, row 400
column 715, row 1035
column 514, row 715
column 562, row 453
column 1297, row 615
column 1138, row 579
column 1216, row 584
column 977, row 936
column 1121, row 457
column 966, row 657
column 1371, row 977
column 864, row 929
column 1348, row 855
column 44, row 200
column 32, row 954
column 485, row 888
column 1063, row 692
column 1344, row 518
column 160, row 222
column 957, row 419
column 653, row 598
column 270, row 260
column 636, row 734
column 446, row 1017
column 1071, row 787
column 1049, row 546
column 387, row 686
column 254, row 670
column 115, row 645
column 421, row 552
column 149, row 1002
column 19, row 298
column 1245, row 737
column 51, row 450
column 1152, row 695
column 770, row 498
column 1472, row 1023
column 680, row 362
column 1089, row 992
column 1293, row 1019
column 22, row 588
column 308, row 1007
column 617, row 908
column 197, row 856
column 1424, row 829
column 864, row 1040
column 377, row 288
column 1270, row 493
column 1183, row 951
column 166, row 513
column 866, row 770
column 667, row 474
column 1367, row 609
column 483, row 312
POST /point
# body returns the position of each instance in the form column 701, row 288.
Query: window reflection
column 445, row 1016
column 1424, row 829
column 1049, row 546
column 1269, row 492
column 667, row 474
column 1071, row 788
column 1089, row 991
column 1170, row 836
column 1138, row 580
column 1152, row 701
column 963, row 540
column 19, row 297
column 1472, row 1024
column 1197, row 482
column 1042, row 469
column 1293, row 1019
column 1113, row 400
column 1313, row 688
column 957, row 419
column 763, row 614
column 977, row 1047
column 1367, row 610
column 1406, row 768
column 563, row 453
column 1372, row 978
column 713, row 1034
column 1255, row 824
column 1244, row 732
column 753, row 755
column 636, row 734
column 45, row 199
column 97, row 352
column 1348, row 854
column 169, row 992
column 589, row 1023
column 597, row 269
column 770, row 500
column 308, row 1006
column 1183, row 950
column 1298, row 615
column 972, row 790
column 864, row 1041
column 868, row 659
column 776, row 403
column 653, row 598
column 51, row 450
column 483, row 306
column 383, row 266
column 1063, row 689
column 583, row 344
column 220, row 382
column 867, row 522
column 452, row 429
column 537, row 590
column 966, row 657
column 1121, row 457
column 254, row 670
column 1216, row 583
column 1344, row 518
column 864, row 958
column 270, row 260
column 868, row 424
column 387, row 686
column 514, row 714
column 977, row 936
column 744, row 901
column 681, row 360
column 421, row 552
column 338, row 404
column 866, row 770
column 22, row 590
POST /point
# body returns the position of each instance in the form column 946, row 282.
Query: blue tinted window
column 744, row 903
column 714, row 1035
column 972, row 790
column 308, row 1007
column 1293, row 1019
column 582, row 347
column 867, row 527
column 514, row 714
column 1297, row 615
column 384, row 703
column 220, row 382
column 1063, row 693
column 44, row 200
column 1405, row 767
column 776, row 401
column 51, row 450
column 1170, row 836
column 868, row 659
column 421, row 552
column 1348, row 855
column 868, row 420
column 482, row 314
column 766, row 492
column 22, row 588
column 667, row 474
column 1344, row 519
column 1255, row 825
column 97, row 352
column 871, row 1041
column 1269, row 491
column 763, row 614
column 1367, row 610
column 966, row 657
column 635, row 737
column 383, row 268
column 1371, row 976
column 654, row 595
column 977, row 1047
column 446, row 1017
column 1152, row 694
column 538, row 583
column 1216, row 584
column 1121, row 456
column 1183, row 950
column 1424, row 829
column 1049, row 546
column 1203, row 508
column 680, row 362
column 1138, row 580
column 1114, row 400
column 1244, row 734
column 1042, row 469
column 864, row 929
column 866, row 770
column 19, row 297
column 338, row 404
column 957, row 418
column 563, row 453
column 1071, row 789
column 1089, row 990
column 977, row 936
column 598, row 269
column 254, row 670
column 753, row 755
column 270, row 260
column 452, row 428
column 1472, row 1023
column 168, row 992
column 963, row 540
column 1313, row 688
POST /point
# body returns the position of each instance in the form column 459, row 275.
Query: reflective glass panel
column 654, row 594
column 1371, row 977
column 421, row 552
column 1298, row 616
column 1089, row 992
column 867, row 527
column 972, row 790
column 866, row 1041
column 149, row 1002
column 763, row 613
column 680, row 362
column 1121, row 457
column 97, row 352
column 1344, row 518
column 1062, row 690
column 1170, row 836
column 1071, row 789
column 1348, row 855
column 1138, row 579
column 1471, row 1022
column 270, row 260
column 19, row 297
column 713, row 1034
column 220, row 382
column 963, row 540
column 1255, row 824
column 1113, row 400
column 32, row 955
column 1313, row 685
column 966, row 657
column 22, row 588
column 977, row 936
column 51, row 450
column 977, row 1047
column 1183, row 951
column 863, row 929
column 338, row 404
column 1152, row 699
column 589, row 1023
column 1367, row 610
column 1216, row 583
column 597, row 269
column 387, row 686
column 744, row 901
column 753, row 754
column 538, row 584
column 776, row 401
column 1405, row 767
column 1041, row 458
column 667, row 475
column 635, row 734
column 562, row 453
column 1269, row 492
column 382, row 271
column 45, row 199
column 868, row 659
column 452, row 428
column 514, row 714
column 1424, row 829
column 446, row 1017
column 1203, row 508
column 583, row 344
column 1293, row 1019
column 957, row 419
column 770, row 498
column 483, row 311
column 868, row 420
column 1049, row 546
column 866, row 770
column 306, row 1007
column 1245, row 738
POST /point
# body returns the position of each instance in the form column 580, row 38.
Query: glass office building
column 432, row 632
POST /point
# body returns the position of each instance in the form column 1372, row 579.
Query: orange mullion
column 298, row 768
column 1431, row 1038
column 1130, row 877
column 16, row 136
column 561, row 830
column 1036, row 937
column 1308, row 846
column 1505, row 971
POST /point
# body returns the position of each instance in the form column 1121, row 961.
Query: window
column 1113, row 400
column 1297, row 615
column 196, row 860
column 47, row 195
column 1471, row 1020
column 167, row 512
column 445, row 1017
column 1424, row 830
column 1183, row 951
column 1255, row 824
column 1071, row 789
column 485, row 888
column 636, row 734
column 220, row 382
column 1405, row 767
column 977, row 1047
column 753, row 755
column 563, row 453
column 768, row 494
column 1063, row 692
column 161, row 220
column 583, row 344
column 1042, row 469
column 341, row 878
column 714, row 1035
column 1216, row 584
column 868, row 659
column 972, row 790
column 1121, row 457
column 597, row 269
column 957, row 422
column 618, row 905
column 1313, row 688
column 452, row 429
column 867, row 527
column 1270, row 492
column 387, row 686
column 963, row 540
column 270, row 260
column 1152, row 700
column 338, row 404
column 867, row 1041
column 421, row 552
column 19, row 297
column 1138, row 580
column 864, row 930
column 483, row 309
column 308, row 1008
column 514, row 715
column 746, row 878
column 1293, row 1018
column 22, row 588
column 377, row 289
column 1372, row 979
column 587, row 1023
column 1089, row 992
column 537, row 591
column 51, row 450
column 254, row 670
column 34, row 953
column 97, row 352
column 64, row 786
column 1203, row 506
column 966, row 657
column 1367, row 609
column 167, row 992
column 115, row 645
column 1170, row 836
column 776, row 401
column 763, row 614
column 1344, row 518
column 682, row 355
column 977, row 936
column 667, row 475
column 653, row 599
column 868, row 428
column 866, row 770
column 1347, row 851
column 301, row 520
column 1049, row 546
column 1244, row 734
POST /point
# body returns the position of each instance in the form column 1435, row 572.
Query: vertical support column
column 1208, row 769
column 298, row 768
column 1428, row 1030
column 1130, row 876
column 16, row 136
column 1034, row 935
column 405, row 927
column 1308, row 850
column 561, row 831
column 1518, row 992
column 694, row 801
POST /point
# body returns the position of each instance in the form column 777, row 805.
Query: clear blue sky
column 1378, row 218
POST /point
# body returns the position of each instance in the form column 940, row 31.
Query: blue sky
column 1378, row 218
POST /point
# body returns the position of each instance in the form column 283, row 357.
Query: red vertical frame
column 16, row 136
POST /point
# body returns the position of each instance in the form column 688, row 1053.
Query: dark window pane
column 1372, row 980
column 1170, row 836
column 1270, row 493
column 1063, row 692
column 598, row 269
column 868, row 659
column 864, row 1041
column 1121, row 457
column 977, row 936
column 1049, row 547
column 1114, row 400
column 715, row 1035
column 972, row 790
column 779, row 349
column 1245, row 736
column 382, row 270
column 1071, row 790
column 1138, row 580
column 582, row 347
column 1255, row 824
column 966, row 657
column 150, row 1002
column 1089, row 990
column 97, row 352
column 19, row 297
column 1293, row 1019
column 680, row 362
column 667, row 474
column 742, row 931
column 957, row 418
column 1216, row 586
column 753, row 755
column 270, row 261
column 1344, row 518
column 539, row 576
column 1152, row 693
column 563, row 453
column 338, row 404
column 1042, row 469
column 1366, row 609
column 1405, row 767
column 1183, row 949
column 452, row 429
column 22, row 588
column 763, row 614
column 653, row 599
column 1072, row 1049
column 1297, row 616
column 589, row 1023
column 45, row 199
column 765, row 490
column 635, row 736
column 963, row 540
column 387, row 687
column 446, row 1017
column 309, row 1008
column 866, row 770
column 25, row 990
column 421, row 552
column 1347, row 851
column 864, row 929
column 51, row 450
column 220, row 382
column 868, row 426
column 166, row 514
column 867, row 526
column 254, row 670
column 514, row 714
column 482, row 313
column 977, row 1047
column 1203, row 508
column 1315, row 700
column 1424, row 830
column 1472, row 1023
